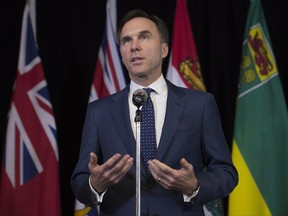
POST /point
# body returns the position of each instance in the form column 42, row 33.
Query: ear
column 165, row 50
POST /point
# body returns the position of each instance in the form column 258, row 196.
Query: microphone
column 139, row 97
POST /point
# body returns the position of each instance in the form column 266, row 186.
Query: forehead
column 137, row 25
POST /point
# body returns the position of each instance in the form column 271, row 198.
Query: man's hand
column 111, row 172
column 183, row 180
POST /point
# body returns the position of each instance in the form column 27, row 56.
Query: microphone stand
column 138, row 120
column 139, row 98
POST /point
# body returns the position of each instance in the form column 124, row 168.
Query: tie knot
column 149, row 90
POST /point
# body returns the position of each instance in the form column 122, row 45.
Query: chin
column 138, row 73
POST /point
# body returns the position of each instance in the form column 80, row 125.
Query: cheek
column 123, row 56
column 124, row 60
column 157, row 55
column 156, row 51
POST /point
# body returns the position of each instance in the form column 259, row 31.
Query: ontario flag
column 29, row 174
column 184, row 70
column 108, row 77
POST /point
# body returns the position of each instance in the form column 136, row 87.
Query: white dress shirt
column 159, row 99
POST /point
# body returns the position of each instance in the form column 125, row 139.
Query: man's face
column 141, row 48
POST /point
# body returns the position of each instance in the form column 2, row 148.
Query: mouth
column 136, row 59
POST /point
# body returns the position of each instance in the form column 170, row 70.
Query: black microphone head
column 139, row 97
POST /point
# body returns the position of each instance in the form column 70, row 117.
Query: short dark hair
column 161, row 26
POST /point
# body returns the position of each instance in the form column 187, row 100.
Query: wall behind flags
column 69, row 34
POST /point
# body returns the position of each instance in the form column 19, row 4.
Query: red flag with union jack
column 108, row 77
column 29, row 174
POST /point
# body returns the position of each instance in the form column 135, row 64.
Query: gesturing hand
column 111, row 172
column 183, row 179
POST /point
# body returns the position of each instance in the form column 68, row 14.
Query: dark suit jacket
column 192, row 129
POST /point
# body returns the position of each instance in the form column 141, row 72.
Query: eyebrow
column 140, row 33
column 145, row 32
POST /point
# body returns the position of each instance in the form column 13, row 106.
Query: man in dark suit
column 192, row 165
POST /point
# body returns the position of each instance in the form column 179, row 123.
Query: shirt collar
column 159, row 86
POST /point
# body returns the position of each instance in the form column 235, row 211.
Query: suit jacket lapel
column 174, row 111
column 120, row 113
column 121, row 117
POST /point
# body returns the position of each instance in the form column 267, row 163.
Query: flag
column 260, row 142
column 29, row 174
column 108, row 76
column 184, row 70
column 84, row 210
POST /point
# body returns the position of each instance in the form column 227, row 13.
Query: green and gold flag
column 260, row 144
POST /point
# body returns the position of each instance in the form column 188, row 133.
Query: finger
column 115, row 173
column 122, row 163
column 128, row 163
column 110, row 163
column 115, row 164
column 160, row 171
column 154, row 169
column 122, row 168
column 155, row 172
column 162, row 168
column 185, row 165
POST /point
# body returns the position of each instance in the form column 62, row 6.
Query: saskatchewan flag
column 260, row 144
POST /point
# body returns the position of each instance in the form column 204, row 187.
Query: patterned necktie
column 148, row 134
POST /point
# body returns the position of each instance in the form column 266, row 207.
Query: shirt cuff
column 98, row 198
column 188, row 198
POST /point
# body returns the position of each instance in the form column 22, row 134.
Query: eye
column 144, row 36
column 125, row 40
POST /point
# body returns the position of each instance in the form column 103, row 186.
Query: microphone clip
column 139, row 98
column 138, row 116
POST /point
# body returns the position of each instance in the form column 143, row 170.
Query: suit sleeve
column 80, row 176
column 220, row 176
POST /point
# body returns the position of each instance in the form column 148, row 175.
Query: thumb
column 93, row 161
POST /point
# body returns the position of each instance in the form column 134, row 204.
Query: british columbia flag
column 108, row 78
column 29, row 174
column 109, row 75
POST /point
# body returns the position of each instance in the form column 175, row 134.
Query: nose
column 135, row 46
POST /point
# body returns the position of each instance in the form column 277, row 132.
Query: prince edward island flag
column 260, row 145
